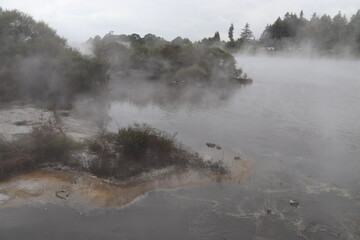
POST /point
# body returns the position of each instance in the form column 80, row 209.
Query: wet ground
column 17, row 120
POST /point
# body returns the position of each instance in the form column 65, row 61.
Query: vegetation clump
column 38, row 65
column 140, row 148
column 44, row 144
column 127, row 153
column 176, row 61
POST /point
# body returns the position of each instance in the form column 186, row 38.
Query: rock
column 210, row 145
column 22, row 123
column 63, row 193
column 3, row 198
column 213, row 145
column 294, row 203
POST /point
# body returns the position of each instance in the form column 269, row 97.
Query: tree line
column 324, row 34
column 38, row 65
column 175, row 61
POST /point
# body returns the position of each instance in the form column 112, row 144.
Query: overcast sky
column 77, row 20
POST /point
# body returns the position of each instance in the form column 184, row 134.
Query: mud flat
column 78, row 188
column 59, row 184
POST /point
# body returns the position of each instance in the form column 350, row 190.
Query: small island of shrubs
column 127, row 153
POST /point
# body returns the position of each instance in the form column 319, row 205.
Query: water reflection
column 141, row 92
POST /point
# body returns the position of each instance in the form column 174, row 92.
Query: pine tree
column 231, row 33
column 216, row 37
column 246, row 33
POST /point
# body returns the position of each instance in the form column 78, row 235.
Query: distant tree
column 135, row 39
column 314, row 16
column 212, row 40
column 231, row 33
column 181, row 41
column 151, row 40
column 354, row 32
column 323, row 33
column 338, row 28
column 217, row 36
column 246, row 33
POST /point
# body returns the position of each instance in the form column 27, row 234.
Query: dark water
column 298, row 125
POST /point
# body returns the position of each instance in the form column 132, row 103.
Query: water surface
column 298, row 125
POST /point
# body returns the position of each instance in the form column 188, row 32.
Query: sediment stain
column 89, row 191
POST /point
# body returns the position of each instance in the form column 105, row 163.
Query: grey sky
column 77, row 20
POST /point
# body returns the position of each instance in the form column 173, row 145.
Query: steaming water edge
column 298, row 126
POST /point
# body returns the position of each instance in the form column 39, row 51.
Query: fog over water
column 298, row 126
column 300, row 110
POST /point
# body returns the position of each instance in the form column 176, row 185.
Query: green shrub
column 134, row 141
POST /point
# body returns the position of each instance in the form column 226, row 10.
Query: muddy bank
column 78, row 188
column 65, row 185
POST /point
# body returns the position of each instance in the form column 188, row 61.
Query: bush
column 134, row 141
column 46, row 143
column 133, row 150
column 138, row 148
column 49, row 143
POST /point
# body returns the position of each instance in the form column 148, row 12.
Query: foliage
column 323, row 33
column 231, row 33
column 139, row 148
column 166, row 60
column 45, row 144
column 38, row 64
column 212, row 41
column 246, row 33
column 135, row 141
column 231, row 43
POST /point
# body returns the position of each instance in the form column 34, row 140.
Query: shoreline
column 75, row 186
column 90, row 192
